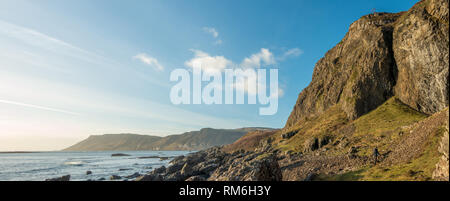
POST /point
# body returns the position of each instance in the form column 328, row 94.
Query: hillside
column 194, row 140
column 383, row 87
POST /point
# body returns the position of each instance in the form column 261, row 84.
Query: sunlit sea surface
column 43, row 165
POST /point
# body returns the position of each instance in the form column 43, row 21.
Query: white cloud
column 212, row 31
column 151, row 61
column 208, row 63
column 293, row 52
column 264, row 57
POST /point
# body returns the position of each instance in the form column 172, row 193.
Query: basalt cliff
column 384, row 86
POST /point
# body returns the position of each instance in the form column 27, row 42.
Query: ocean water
column 43, row 165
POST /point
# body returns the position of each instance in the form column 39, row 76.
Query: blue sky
column 69, row 69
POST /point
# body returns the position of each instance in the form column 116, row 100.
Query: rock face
column 358, row 73
column 421, row 52
column 216, row 165
column 442, row 168
column 383, row 54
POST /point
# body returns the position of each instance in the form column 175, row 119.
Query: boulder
column 196, row 178
column 160, row 170
column 150, row 177
column 115, row 177
column 62, row 178
column 135, row 175
column 119, row 154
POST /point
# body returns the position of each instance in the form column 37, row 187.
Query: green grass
column 418, row 169
column 318, row 126
column 380, row 127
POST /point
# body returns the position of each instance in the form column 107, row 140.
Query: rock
column 262, row 167
column 310, row 145
column 442, row 167
column 196, row 178
column 115, row 177
column 102, row 179
column 324, row 140
column 88, row 172
column 119, row 154
column 207, row 169
column 163, row 158
column 62, row 178
column 174, row 168
column 288, row 134
column 136, row 174
column 160, row 170
column 146, row 157
column 124, row 169
column 268, row 170
column 176, row 176
column 310, row 177
column 186, row 170
column 150, row 177
column 421, row 52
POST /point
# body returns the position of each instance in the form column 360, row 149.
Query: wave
column 74, row 163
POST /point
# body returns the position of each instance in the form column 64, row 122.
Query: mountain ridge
column 192, row 140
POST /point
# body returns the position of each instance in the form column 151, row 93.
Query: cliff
column 382, row 55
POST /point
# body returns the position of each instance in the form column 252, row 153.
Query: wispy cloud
column 214, row 33
column 49, row 43
column 293, row 52
column 151, row 61
column 38, row 107
column 211, row 31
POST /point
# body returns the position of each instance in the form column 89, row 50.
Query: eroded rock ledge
column 215, row 165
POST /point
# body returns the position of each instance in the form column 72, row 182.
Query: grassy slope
column 382, row 122
column 378, row 128
column 386, row 127
column 324, row 124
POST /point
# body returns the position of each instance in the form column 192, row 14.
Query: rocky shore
column 213, row 164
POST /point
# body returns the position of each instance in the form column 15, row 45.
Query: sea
column 38, row 166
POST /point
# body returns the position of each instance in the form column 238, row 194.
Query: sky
column 70, row 69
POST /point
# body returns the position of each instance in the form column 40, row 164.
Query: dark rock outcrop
column 214, row 164
column 115, row 177
column 119, row 154
column 62, row 178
